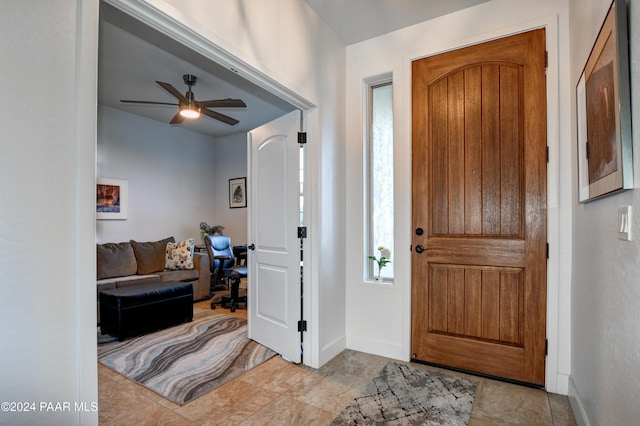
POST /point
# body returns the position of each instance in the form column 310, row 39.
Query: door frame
column 556, row 380
column 156, row 19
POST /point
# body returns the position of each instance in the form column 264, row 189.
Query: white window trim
column 368, row 266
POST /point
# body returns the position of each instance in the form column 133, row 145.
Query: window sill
column 388, row 281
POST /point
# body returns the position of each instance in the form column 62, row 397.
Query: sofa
column 132, row 263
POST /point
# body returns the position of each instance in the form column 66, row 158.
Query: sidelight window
column 379, row 154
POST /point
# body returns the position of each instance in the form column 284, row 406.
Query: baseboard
column 576, row 405
column 376, row 347
column 331, row 349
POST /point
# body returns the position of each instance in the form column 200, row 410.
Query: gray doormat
column 403, row 395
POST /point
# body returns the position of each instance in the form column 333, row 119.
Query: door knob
column 419, row 248
column 251, row 247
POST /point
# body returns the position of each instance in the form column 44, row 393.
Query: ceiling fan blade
column 222, row 103
column 127, row 101
column 169, row 88
column 219, row 117
column 177, row 119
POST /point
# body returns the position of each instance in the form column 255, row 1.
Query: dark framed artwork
column 605, row 154
column 111, row 198
column 238, row 192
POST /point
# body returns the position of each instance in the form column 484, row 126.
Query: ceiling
column 358, row 20
column 132, row 57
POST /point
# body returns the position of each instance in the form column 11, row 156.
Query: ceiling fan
column 189, row 108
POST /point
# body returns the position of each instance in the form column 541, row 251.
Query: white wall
column 230, row 163
column 605, row 297
column 176, row 178
column 47, row 187
column 170, row 173
column 378, row 316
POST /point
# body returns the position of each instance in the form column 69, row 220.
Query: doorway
column 185, row 40
column 479, row 208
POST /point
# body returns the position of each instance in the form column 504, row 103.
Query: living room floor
column 280, row 393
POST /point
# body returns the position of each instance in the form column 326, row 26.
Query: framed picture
column 605, row 157
column 238, row 192
column 111, row 199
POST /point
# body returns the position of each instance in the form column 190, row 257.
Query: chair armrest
column 201, row 264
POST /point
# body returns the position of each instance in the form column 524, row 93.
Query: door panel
column 479, row 188
column 480, row 303
column 274, row 267
column 493, row 186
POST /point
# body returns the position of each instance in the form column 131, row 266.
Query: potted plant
column 210, row 230
column 384, row 260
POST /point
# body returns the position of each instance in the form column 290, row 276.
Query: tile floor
column 280, row 393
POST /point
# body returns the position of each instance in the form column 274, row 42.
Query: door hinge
column 546, row 59
column 546, row 347
column 302, row 325
column 302, row 232
column 302, row 137
column 547, row 155
column 547, row 250
column 587, row 149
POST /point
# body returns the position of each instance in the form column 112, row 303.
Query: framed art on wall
column 238, row 193
column 605, row 157
column 111, row 198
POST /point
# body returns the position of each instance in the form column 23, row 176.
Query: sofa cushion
column 150, row 255
column 134, row 280
column 127, row 281
column 115, row 260
column 179, row 275
column 179, row 255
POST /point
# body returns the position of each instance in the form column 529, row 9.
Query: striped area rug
column 184, row 362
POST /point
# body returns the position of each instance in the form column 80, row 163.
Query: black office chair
column 224, row 273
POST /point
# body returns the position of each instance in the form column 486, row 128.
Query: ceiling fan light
column 190, row 111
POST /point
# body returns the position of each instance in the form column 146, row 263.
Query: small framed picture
column 238, row 193
column 111, row 199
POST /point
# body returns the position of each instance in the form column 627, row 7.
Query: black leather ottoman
column 131, row 311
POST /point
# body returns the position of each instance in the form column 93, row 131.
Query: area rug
column 403, row 395
column 187, row 361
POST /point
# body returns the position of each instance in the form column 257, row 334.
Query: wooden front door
column 479, row 208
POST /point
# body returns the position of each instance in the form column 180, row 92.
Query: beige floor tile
column 330, row 393
column 236, row 399
column 561, row 410
column 505, row 403
column 118, row 400
column 356, row 364
column 152, row 414
column 280, row 393
column 289, row 411
column 276, row 375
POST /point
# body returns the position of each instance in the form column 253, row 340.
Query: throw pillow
column 115, row 260
column 180, row 255
column 150, row 255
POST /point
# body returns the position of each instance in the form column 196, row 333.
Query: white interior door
column 274, row 263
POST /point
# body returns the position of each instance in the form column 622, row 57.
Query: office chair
column 223, row 272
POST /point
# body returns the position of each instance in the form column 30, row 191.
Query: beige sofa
column 133, row 263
